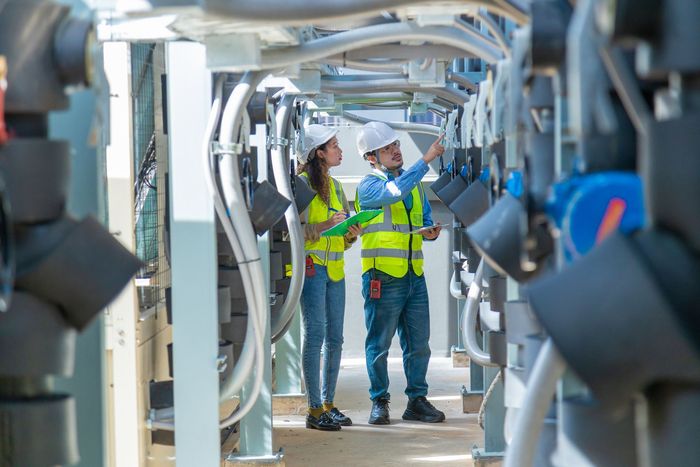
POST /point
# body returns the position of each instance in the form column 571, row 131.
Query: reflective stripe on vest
column 386, row 241
column 331, row 256
column 327, row 251
column 390, row 253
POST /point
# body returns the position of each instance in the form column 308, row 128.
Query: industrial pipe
column 461, row 80
column 541, row 387
column 373, row 35
column 250, row 264
column 291, row 215
column 404, row 126
column 495, row 31
column 469, row 314
column 454, row 96
column 303, row 12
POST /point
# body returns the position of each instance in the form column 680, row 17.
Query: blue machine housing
column 586, row 207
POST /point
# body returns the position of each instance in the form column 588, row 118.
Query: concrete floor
column 400, row 444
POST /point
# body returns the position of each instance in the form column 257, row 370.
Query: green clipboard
column 361, row 217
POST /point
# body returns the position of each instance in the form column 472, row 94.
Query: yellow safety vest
column 327, row 251
column 386, row 244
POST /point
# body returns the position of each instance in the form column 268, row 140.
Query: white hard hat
column 375, row 135
column 315, row 136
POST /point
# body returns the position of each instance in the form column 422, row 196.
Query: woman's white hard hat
column 314, row 136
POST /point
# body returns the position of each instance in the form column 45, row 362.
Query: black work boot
column 422, row 410
column 339, row 417
column 324, row 422
column 380, row 412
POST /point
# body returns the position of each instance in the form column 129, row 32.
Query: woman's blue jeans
column 402, row 306
column 323, row 310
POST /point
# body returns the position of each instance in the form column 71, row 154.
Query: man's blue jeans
column 403, row 306
column 323, row 310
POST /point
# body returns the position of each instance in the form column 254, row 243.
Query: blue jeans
column 402, row 306
column 323, row 310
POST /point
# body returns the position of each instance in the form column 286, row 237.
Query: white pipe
column 461, row 80
column 388, row 66
column 253, row 338
column 250, row 264
column 471, row 308
column 495, row 31
column 541, row 387
column 455, row 289
column 455, row 96
column 291, row 215
column 405, row 126
column 303, row 12
column 474, row 32
column 374, row 35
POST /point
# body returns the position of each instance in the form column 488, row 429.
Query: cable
column 541, row 386
column 482, row 407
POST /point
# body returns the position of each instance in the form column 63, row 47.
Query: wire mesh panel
column 149, row 208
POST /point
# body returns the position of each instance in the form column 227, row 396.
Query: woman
column 323, row 296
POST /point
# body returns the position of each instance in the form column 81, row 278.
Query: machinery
column 570, row 131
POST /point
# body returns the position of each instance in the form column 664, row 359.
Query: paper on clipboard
column 359, row 218
column 426, row 229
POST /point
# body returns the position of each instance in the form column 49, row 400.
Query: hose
column 291, row 215
column 249, row 264
column 541, row 386
column 455, row 289
column 469, row 314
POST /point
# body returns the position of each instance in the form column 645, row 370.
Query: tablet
column 426, row 228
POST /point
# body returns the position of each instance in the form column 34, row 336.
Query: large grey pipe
column 471, row 310
column 541, row 386
column 404, row 126
column 455, row 96
column 303, row 12
column 291, row 215
column 379, row 34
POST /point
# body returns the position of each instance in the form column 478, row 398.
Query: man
column 393, row 285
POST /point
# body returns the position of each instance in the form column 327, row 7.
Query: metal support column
column 256, row 427
column 494, row 419
column 121, row 315
column 288, row 359
column 194, row 280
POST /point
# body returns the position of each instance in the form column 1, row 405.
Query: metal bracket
column 229, row 149
column 275, row 141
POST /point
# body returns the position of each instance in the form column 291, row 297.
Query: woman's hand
column 432, row 234
column 354, row 231
column 337, row 218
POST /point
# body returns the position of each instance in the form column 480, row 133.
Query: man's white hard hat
column 315, row 136
column 375, row 135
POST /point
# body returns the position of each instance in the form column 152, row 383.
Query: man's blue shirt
column 375, row 193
